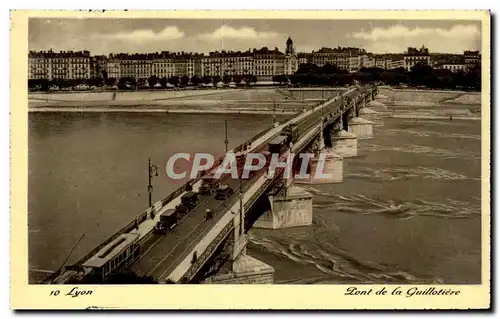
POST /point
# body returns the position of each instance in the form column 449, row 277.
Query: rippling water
column 408, row 211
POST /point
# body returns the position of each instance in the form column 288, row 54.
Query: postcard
column 250, row 160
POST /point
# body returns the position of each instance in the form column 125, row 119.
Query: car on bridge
column 209, row 185
column 168, row 220
column 223, row 192
column 278, row 145
column 292, row 133
column 188, row 202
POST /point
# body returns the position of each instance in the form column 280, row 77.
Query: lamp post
column 226, row 141
column 152, row 169
column 274, row 113
column 321, row 141
column 242, row 213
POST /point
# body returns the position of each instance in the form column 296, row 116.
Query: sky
column 106, row 35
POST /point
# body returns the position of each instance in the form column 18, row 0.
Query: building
column 354, row 63
column 113, row 68
column 471, row 59
column 348, row 59
column 39, row 65
column 453, row 66
column 98, row 66
column 291, row 60
column 415, row 56
column 395, row 64
column 381, row 63
column 163, row 67
column 367, row 61
column 303, row 58
column 64, row 65
column 263, row 63
column 268, row 63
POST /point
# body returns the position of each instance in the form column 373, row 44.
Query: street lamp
column 152, row 169
column 242, row 212
column 274, row 113
column 226, row 141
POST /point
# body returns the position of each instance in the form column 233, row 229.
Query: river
column 407, row 211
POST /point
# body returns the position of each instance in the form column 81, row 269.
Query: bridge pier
column 344, row 144
column 380, row 107
column 325, row 168
column 239, row 245
column 371, row 115
column 291, row 208
column 245, row 270
column 377, row 106
column 363, row 129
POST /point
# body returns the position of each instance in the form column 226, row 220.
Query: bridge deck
column 168, row 250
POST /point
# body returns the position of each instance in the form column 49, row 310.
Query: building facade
column 264, row 63
column 291, row 60
column 415, row 56
column 472, row 59
column 395, row 64
column 64, row 65
column 453, row 67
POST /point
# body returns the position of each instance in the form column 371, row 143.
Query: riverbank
column 159, row 110
column 399, row 103
column 391, row 96
column 433, row 117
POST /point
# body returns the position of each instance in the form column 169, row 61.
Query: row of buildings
column 263, row 63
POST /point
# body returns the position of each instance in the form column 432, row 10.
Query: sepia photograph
column 256, row 151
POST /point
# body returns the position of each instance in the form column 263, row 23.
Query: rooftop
column 111, row 249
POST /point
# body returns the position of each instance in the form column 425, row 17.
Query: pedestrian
column 208, row 214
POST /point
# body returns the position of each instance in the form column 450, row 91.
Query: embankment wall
column 429, row 97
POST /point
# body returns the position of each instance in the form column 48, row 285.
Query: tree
column 141, row 82
column 331, row 69
column 126, row 83
column 174, row 80
column 163, row 81
column 152, row 80
column 248, row 79
column 216, row 79
column 226, row 79
column 94, row 81
column 253, row 78
column 307, row 68
column 111, row 81
column 184, row 80
column 238, row 78
column 420, row 74
column 195, row 80
column 280, row 78
column 206, row 79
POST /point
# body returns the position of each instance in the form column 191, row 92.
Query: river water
column 407, row 211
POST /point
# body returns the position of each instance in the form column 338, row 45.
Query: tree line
column 420, row 76
column 127, row 83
